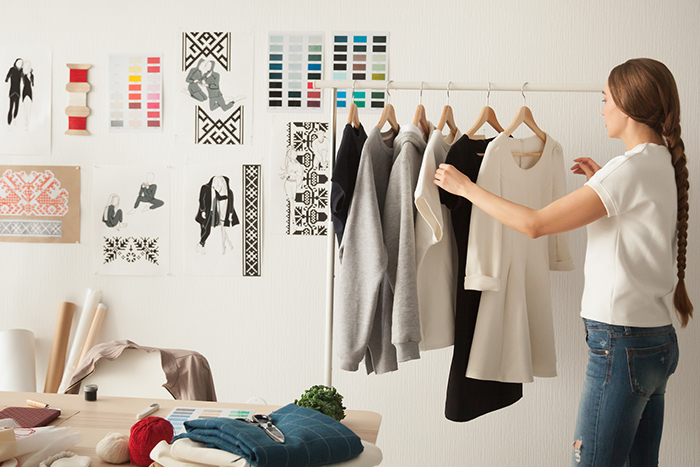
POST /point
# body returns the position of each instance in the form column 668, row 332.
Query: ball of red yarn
column 145, row 434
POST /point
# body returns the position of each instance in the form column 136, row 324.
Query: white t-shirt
column 630, row 271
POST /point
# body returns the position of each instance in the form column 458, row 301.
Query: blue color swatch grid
column 361, row 56
column 294, row 62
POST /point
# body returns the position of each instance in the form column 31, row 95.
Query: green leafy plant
column 325, row 399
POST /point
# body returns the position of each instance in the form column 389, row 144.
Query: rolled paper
column 94, row 331
column 59, row 347
column 92, row 298
column 17, row 361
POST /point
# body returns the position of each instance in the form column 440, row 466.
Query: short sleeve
column 611, row 183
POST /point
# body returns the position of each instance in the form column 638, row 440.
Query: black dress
column 345, row 175
column 469, row 398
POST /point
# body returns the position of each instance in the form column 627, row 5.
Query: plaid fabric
column 311, row 438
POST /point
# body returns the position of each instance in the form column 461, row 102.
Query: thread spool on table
column 77, row 109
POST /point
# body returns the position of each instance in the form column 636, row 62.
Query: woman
column 27, row 89
column 637, row 208
column 111, row 215
column 14, row 76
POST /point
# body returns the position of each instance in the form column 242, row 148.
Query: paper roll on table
column 91, row 300
column 17, row 361
column 59, row 347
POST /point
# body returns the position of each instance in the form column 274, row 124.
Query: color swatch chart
column 361, row 56
column 295, row 60
column 135, row 93
column 179, row 415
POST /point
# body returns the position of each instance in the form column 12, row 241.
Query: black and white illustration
column 216, row 88
column 304, row 178
column 26, row 122
column 252, row 220
column 131, row 220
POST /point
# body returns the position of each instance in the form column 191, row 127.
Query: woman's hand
column 585, row 166
column 450, row 179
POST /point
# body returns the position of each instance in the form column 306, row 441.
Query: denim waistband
column 629, row 330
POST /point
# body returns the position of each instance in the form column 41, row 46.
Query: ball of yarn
column 114, row 448
column 145, row 434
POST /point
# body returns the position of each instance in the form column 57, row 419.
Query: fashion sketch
column 320, row 149
column 147, row 195
column 216, row 210
column 112, row 216
column 293, row 176
column 14, row 77
column 27, row 90
column 203, row 83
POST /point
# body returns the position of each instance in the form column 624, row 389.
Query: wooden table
column 117, row 414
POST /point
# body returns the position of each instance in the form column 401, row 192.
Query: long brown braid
column 645, row 90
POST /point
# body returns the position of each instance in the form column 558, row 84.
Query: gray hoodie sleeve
column 362, row 266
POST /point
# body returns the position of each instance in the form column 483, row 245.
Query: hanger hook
column 353, row 90
column 448, row 92
column 420, row 97
column 488, row 94
column 522, row 91
column 386, row 90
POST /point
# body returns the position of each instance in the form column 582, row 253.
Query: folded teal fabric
column 311, row 438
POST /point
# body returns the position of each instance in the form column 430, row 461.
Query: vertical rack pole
column 330, row 260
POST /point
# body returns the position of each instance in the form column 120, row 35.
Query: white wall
column 264, row 336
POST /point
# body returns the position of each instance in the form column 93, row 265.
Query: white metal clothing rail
column 411, row 86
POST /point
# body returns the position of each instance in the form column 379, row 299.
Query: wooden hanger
column 419, row 119
column 524, row 115
column 388, row 114
column 448, row 117
column 353, row 113
column 487, row 115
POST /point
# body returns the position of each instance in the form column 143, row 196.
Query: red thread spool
column 77, row 123
column 145, row 434
column 78, row 75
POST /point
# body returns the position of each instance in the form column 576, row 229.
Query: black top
column 344, row 175
column 469, row 398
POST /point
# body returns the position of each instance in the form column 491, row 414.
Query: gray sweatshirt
column 398, row 222
column 363, row 297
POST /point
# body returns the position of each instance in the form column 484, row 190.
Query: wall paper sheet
column 26, row 108
column 131, row 220
column 252, row 220
column 295, row 60
column 215, row 89
column 40, row 204
column 135, row 93
column 301, row 188
column 212, row 212
column 361, row 56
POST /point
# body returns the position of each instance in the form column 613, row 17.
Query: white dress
column 514, row 335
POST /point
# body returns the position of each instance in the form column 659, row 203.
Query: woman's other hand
column 452, row 180
column 585, row 166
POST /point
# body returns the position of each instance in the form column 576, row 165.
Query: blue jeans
column 621, row 413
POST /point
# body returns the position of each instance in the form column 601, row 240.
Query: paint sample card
column 40, row 204
column 215, row 89
column 179, row 415
column 295, row 61
column 135, row 93
column 131, row 220
column 25, row 127
column 361, row 56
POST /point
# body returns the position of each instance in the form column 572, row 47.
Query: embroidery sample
column 40, row 204
column 209, row 130
column 130, row 249
column 251, row 220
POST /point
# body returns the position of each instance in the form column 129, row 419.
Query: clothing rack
column 410, row 86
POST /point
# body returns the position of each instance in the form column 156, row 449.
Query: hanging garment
column 398, row 222
column 363, row 307
column 468, row 398
column 436, row 258
column 514, row 335
column 344, row 176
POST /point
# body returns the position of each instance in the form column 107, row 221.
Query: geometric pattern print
column 36, row 194
column 209, row 130
column 21, row 228
column 216, row 45
column 312, row 196
column 130, row 249
column 251, row 220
